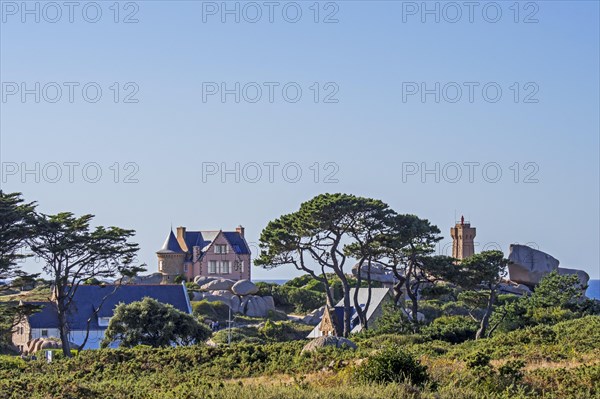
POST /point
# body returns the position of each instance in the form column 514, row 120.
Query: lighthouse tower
column 463, row 235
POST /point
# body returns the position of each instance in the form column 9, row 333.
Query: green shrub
column 315, row 285
column 211, row 310
column 392, row 365
column 438, row 291
column 298, row 282
column 301, row 299
column 454, row 329
column 264, row 288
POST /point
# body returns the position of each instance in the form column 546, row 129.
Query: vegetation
column 543, row 345
column 329, row 230
column 559, row 361
column 73, row 253
column 149, row 322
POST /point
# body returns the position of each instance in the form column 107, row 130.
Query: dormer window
column 221, row 248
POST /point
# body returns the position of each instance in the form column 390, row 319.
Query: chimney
column 181, row 232
column 240, row 230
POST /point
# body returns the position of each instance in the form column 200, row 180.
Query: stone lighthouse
column 463, row 235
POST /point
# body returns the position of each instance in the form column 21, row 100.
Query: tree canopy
column 73, row 253
column 149, row 322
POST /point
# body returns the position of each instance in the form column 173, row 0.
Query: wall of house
column 21, row 334
column 94, row 339
column 172, row 264
column 51, row 332
column 203, row 269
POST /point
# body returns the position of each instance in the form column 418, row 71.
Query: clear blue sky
column 373, row 56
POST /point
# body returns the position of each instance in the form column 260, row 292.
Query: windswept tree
column 318, row 236
column 484, row 273
column 407, row 250
column 73, row 252
column 367, row 235
column 149, row 322
column 16, row 225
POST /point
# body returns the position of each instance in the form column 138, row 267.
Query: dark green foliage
column 392, row 365
column 299, row 281
column 73, row 252
column 301, row 299
column 149, row 322
column 453, row 329
column 442, row 292
column 269, row 331
column 215, row 311
column 199, row 371
column 264, row 288
column 16, row 225
column 557, row 298
column 392, row 321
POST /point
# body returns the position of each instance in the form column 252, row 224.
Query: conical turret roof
column 171, row 245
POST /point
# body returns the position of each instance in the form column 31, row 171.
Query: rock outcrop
column 378, row 272
column 244, row 287
column 38, row 344
column 583, row 276
column 528, row 266
column 314, row 317
column 321, row 342
column 201, row 280
column 220, row 284
column 514, row 288
column 239, row 296
column 150, row 279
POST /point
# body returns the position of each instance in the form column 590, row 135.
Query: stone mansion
column 205, row 253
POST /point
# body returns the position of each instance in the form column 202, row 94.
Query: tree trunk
column 63, row 328
column 362, row 313
column 414, row 301
column 485, row 321
column 328, row 291
column 347, row 309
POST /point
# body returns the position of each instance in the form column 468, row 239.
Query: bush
column 454, row 329
column 265, row 289
column 302, row 299
column 211, row 310
column 392, row 365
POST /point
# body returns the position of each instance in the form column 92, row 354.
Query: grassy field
column 560, row 361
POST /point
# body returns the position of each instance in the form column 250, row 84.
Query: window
column 224, row 267
column 21, row 330
column 238, row 266
column 160, row 265
column 212, row 267
column 221, row 248
column 103, row 321
column 44, row 333
column 185, row 268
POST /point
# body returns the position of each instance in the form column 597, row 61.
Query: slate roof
column 89, row 297
column 237, row 242
column 171, row 245
column 378, row 295
column 203, row 239
column 47, row 317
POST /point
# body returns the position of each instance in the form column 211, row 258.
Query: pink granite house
column 205, row 253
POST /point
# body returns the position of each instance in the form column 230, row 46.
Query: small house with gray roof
column 223, row 254
column 332, row 322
